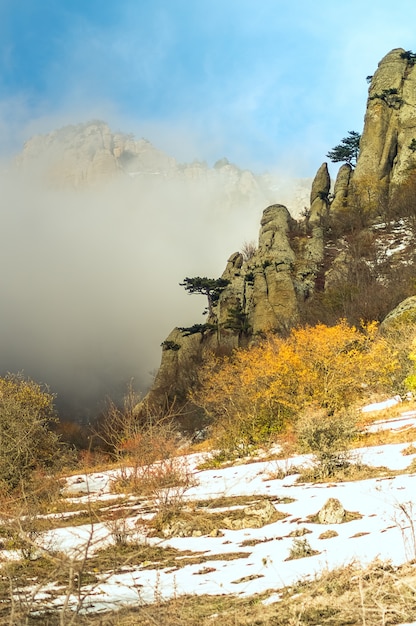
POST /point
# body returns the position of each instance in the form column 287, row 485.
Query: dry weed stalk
column 405, row 519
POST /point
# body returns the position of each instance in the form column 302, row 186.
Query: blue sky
column 267, row 83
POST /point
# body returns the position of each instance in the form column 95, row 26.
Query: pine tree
column 347, row 151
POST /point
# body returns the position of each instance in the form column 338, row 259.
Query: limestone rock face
column 263, row 287
column 319, row 193
column 332, row 512
column 378, row 147
column 390, row 124
column 406, row 310
column 341, row 188
column 180, row 356
column 269, row 293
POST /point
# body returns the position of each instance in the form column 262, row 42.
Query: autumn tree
column 410, row 380
column 257, row 391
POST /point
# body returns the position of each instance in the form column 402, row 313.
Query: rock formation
column 386, row 156
column 342, row 182
column 404, row 312
column 346, row 246
column 263, row 294
column 319, row 199
column 332, row 512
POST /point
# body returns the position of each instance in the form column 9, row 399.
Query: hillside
column 250, row 543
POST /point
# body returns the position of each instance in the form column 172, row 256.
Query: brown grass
column 151, row 557
column 378, row 595
column 349, row 473
column 204, row 520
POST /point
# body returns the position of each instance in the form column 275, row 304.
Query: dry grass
column 384, row 437
column 378, row 595
column 229, row 501
column 381, row 594
column 203, row 520
column 145, row 556
column 411, row 449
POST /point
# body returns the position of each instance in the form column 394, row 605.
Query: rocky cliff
column 351, row 254
column 387, row 150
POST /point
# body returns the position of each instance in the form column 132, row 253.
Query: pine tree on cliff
column 346, row 151
column 209, row 287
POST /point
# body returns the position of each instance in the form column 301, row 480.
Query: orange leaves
column 260, row 387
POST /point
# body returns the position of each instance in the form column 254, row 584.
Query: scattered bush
column 248, row 250
column 300, row 549
column 146, row 448
column 27, row 443
column 328, row 437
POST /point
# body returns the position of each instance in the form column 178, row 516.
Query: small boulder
column 256, row 515
column 262, row 511
column 332, row 512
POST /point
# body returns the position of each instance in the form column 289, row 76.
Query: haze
column 90, row 278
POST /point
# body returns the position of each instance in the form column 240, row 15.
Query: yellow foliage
column 26, row 393
column 26, row 443
column 251, row 394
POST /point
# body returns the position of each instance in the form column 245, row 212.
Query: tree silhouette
column 209, row 287
column 346, row 151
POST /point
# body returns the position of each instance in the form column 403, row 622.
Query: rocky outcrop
column 341, row 186
column 282, row 272
column 263, row 294
column 404, row 312
column 256, row 515
column 386, row 157
column 271, row 298
column 324, row 252
column 319, row 199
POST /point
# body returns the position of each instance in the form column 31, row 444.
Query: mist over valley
column 98, row 230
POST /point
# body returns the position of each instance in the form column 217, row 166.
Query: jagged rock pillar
column 319, row 194
column 341, row 188
column 272, row 303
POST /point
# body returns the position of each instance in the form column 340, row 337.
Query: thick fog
column 90, row 278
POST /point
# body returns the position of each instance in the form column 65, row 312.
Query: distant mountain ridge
column 85, row 154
